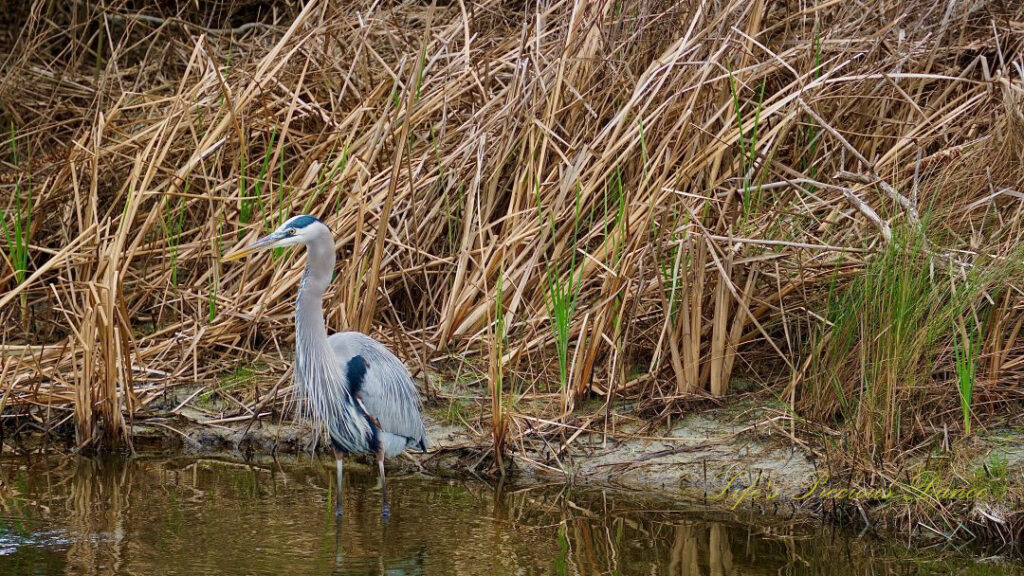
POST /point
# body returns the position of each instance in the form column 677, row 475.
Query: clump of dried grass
column 700, row 177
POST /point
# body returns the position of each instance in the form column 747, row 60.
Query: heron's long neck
column 318, row 377
column 309, row 311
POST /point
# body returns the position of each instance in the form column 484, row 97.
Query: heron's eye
column 290, row 232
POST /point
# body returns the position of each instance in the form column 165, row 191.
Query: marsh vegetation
column 560, row 209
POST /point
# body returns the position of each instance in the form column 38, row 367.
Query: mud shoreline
column 726, row 458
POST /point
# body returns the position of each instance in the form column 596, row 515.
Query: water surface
column 139, row 516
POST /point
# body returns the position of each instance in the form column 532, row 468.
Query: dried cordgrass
column 710, row 172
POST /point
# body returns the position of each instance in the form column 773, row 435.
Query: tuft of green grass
column 242, row 375
column 889, row 331
column 885, row 327
column 993, row 475
column 455, row 413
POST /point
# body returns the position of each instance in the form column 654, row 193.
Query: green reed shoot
column 211, row 301
column 965, row 355
column 264, row 174
column 496, row 381
column 748, row 144
column 501, row 328
column 421, row 76
column 614, row 192
column 17, row 232
column 668, row 265
column 616, row 225
column 453, row 210
column 174, row 224
column 283, row 208
column 396, row 97
column 562, row 294
column 812, row 135
column 562, row 560
column 251, row 193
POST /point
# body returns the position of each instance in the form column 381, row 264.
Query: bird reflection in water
column 411, row 565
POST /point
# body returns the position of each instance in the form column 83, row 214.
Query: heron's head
column 301, row 229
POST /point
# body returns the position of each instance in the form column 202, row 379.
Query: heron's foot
column 339, row 511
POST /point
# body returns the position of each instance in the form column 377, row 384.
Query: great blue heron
column 349, row 384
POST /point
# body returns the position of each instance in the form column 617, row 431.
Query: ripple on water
column 10, row 542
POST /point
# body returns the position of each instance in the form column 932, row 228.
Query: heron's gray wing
column 387, row 391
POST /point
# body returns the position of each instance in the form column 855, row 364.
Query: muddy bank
column 735, row 457
column 709, row 451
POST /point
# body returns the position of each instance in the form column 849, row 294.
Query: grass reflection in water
column 119, row 517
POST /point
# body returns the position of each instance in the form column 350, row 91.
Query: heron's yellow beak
column 262, row 244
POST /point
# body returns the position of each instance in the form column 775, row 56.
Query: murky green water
column 80, row 516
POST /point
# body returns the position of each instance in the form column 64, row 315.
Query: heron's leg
column 338, row 508
column 385, row 511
